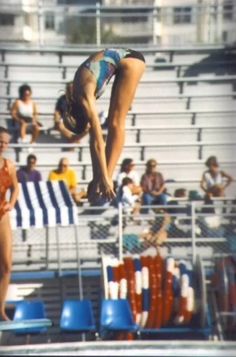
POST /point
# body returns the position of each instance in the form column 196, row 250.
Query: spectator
column 214, row 177
column 211, row 222
column 127, row 170
column 179, row 194
column 180, row 225
column 69, row 176
column 126, row 197
column 28, row 172
column 25, row 114
column 153, row 185
column 59, row 114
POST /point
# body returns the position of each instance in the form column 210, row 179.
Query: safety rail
column 109, row 230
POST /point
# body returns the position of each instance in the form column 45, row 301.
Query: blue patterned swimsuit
column 103, row 69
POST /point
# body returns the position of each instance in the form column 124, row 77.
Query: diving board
column 24, row 324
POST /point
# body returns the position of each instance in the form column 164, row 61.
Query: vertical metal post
column 98, row 24
column 40, row 23
column 81, row 293
column 219, row 23
column 193, row 224
column 58, row 250
column 47, row 248
column 154, row 19
column 120, row 230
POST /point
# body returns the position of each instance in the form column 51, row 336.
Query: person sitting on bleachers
column 180, row 225
column 127, row 170
column 29, row 172
column 25, row 114
column 65, row 173
column 59, row 113
column 211, row 222
column 153, row 185
column 125, row 195
column 214, row 177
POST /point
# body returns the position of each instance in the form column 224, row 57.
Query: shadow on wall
column 220, row 62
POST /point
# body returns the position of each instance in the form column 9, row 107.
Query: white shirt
column 133, row 175
column 26, row 109
column 211, row 181
column 127, row 198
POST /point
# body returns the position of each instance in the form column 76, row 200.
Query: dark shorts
column 135, row 54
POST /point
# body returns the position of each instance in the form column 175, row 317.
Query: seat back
column 30, row 310
column 77, row 315
column 116, row 312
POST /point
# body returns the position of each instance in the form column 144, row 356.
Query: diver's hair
column 23, row 89
column 75, row 113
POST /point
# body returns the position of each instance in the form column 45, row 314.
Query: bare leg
column 35, row 133
column 123, row 92
column 5, row 261
column 23, row 127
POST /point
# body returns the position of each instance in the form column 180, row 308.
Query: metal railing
column 191, row 228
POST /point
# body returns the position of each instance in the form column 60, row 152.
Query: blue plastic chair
column 77, row 316
column 116, row 315
column 30, row 310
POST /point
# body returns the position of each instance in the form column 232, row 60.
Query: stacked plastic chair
column 77, row 316
column 116, row 316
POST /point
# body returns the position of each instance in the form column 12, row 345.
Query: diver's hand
column 98, row 189
column 106, row 189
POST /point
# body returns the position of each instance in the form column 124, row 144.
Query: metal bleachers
column 174, row 111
